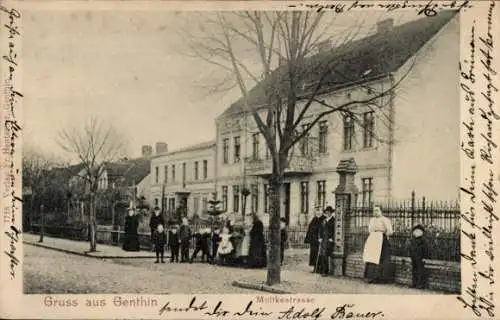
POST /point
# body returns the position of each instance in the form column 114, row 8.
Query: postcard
column 249, row 159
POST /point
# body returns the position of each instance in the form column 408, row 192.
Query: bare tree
column 279, row 63
column 94, row 145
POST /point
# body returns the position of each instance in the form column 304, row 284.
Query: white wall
column 427, row 116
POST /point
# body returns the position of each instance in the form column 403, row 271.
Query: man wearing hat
column 418, row 252
column 326, row 241
column 156, row 219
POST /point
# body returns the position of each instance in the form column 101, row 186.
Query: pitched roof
column 361, row 60
column 131, row 170
column 201, row 145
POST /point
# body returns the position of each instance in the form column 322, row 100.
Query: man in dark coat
column 418, row 252
column 312, row 237
column 185, row 236
column 155, row 220
column 326, row 240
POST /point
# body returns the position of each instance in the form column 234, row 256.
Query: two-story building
column 184, row 178
column 408, row 142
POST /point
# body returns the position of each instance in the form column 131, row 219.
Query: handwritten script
column 479, row 186
column 12, row 128
column 256, row 311
column 429, row 9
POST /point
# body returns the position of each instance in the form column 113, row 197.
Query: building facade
column 184, row 179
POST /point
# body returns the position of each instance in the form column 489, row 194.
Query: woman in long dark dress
column 312, row 237
column 377, row 255
column 257, row 257
column 131, row 240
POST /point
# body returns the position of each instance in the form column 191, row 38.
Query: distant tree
column 93, row 145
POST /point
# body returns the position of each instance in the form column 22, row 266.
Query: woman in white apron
column 377, row 256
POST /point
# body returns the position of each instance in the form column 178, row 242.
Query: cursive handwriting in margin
column 12, row 132
column 478, row 145
column 428, row 9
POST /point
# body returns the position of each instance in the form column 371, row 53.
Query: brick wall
column 442, row 275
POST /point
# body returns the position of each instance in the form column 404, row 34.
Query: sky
column 128, row 68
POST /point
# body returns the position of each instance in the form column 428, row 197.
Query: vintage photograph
column 220, row 152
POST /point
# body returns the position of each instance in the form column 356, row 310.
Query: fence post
column 412, row 208
column 344, row 196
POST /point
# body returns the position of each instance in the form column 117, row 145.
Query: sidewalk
column 307, row 282
column 82, row 248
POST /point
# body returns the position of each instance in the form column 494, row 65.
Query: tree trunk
column 42, row 223
column 274, row 259
column 92, row 224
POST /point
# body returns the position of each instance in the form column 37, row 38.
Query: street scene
column 242, row 152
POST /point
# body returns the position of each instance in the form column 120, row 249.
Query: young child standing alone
column 159, row 240
column 174, row 244
column 418, row 252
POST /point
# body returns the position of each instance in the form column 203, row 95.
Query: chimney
column 385, row 26
column 324, row 46
column 161, row 147
column 146, row 151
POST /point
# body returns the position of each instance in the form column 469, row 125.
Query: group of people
column 376, row 254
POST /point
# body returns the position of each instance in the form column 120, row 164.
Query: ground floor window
column 255, row 197
column 266, row 198
column 321, row 195
column 196, row 205
column 367, row 191
column 224, row 198
column 236, row 198
column 304, row 197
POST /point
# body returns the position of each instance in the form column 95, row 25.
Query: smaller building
column 183, row 180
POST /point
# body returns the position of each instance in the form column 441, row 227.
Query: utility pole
column 42, row 223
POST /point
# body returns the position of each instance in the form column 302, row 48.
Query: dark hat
column 329, row 209
column 156, row 208
column 418, row 226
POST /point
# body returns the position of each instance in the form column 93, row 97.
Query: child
column 225, row 246
column 215, row 243
column 284, row 238
column 174, row 244
column 418, row 252
column 159, row 240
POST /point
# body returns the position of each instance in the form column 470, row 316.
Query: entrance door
column 286, row 202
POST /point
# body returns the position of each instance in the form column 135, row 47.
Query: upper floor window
column 157, row 174
column 255, row 145
column 166, row 174
column 196, row 170
column 304, row 142
column 225, row 150
column 323, row 136
column 367, row 191
column 321, row 194
column 205, row 169
column 368, row 129
column 224, row 198
column 348, row 132
column 173, row 173
column 237, row 149
column 183, row 174
column 236, row 198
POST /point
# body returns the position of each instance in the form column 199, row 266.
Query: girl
column 225, row 246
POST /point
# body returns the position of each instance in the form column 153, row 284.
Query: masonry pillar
column 345, row 197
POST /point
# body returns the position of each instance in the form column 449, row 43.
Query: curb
column 85, row 253
column 259, row 287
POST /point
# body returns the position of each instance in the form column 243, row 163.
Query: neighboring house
column 412, row 143
column 184, row 178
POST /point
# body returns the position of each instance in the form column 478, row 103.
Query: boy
column 174, row 244
column 418, row 252
column 185, row 237
column 215, row 243
column 159, row 239
column 201, row 245
column 284, row 238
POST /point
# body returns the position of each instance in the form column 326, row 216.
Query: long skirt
column 381, row 272
column 257, row 256
column 313, row 253
column 131, row 242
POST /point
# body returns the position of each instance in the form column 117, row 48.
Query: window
column 225, row 150
column 156, row 202
column 173, row 173
column 183, row 174
column 171, row 204
column 196, row 170
column 367, row 191
column 157, row 174
column 267, row 152
column 368, row 128
column 236, row 198
column 304, row 197
column 255, row 146
column 237, row 149
column 266, row 198
column 224, row 198
column 196, row 204
column 304, row 142
column 165, row 178
column 205, row 169
column 204, row 203
column 348, row 132
column 323, row 136
column 255, row 197
column 321, row 196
